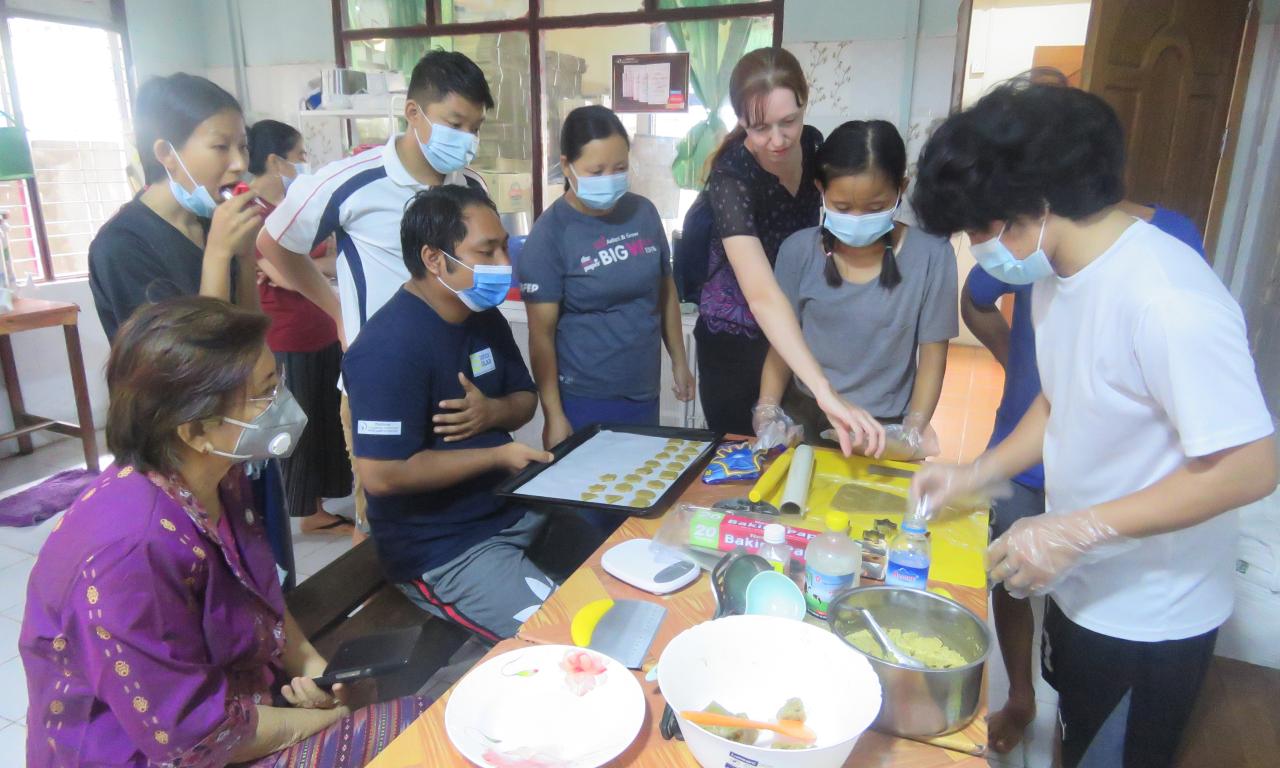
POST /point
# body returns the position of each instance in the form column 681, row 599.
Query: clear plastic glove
column 1038, row 551
column 773, row 427
column 852, row 427
column 912, row 440
column 968, row 485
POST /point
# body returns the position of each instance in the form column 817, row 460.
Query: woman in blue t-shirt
column 595, row 276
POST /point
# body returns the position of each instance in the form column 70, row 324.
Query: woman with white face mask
column 595, row 276
column 876, row 299
column 305, row 342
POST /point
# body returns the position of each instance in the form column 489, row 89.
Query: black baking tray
column 511, row 487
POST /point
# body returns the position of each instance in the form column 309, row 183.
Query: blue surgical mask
column 489, row 285
column 859, row 230
column 448, row 149
column 600, row 193
column 999, row 262
column 199, row 202
column 299, row 169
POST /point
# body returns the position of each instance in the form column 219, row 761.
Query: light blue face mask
column 859, row 230
column 448, row 149
column 600, row 193
column 999, row 262
column 299, row 169
column 489, row 285
column 199, row 202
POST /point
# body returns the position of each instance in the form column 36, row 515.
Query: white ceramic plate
column 524, row 708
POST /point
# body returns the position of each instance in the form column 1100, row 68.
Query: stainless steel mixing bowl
column 920, row 702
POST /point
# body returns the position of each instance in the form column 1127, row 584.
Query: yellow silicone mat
column 873, row 489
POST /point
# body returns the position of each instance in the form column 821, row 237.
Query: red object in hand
column 239, row 189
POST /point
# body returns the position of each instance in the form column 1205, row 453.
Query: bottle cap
column 837, row 522
column 775, row 533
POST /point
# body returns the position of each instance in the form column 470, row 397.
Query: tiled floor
column 971, row 392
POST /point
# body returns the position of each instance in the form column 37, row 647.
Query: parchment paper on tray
column 616, row 468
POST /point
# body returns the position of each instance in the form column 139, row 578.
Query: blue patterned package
column 733, row 461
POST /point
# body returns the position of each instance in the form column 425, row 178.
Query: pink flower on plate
column 583, row 671
column 519, row 758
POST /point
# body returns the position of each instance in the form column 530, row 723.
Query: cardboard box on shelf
column 511, row 192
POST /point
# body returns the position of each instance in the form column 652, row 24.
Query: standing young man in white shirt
column 361, row 200
column 1150, row 424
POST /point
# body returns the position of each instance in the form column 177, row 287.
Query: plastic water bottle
column 909, row 555
column 776, row 549
column 832, row 564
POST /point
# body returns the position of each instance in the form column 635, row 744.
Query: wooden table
column 426, row 742
column 28, row 315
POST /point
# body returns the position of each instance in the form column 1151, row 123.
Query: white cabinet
column 672, row 412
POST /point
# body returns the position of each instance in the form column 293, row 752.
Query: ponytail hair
column 754, row 77
column 862, row 146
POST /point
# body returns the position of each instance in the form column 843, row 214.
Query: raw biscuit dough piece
column 645, row 493
column 668, row 475
column 653, row 463
column 675, row 465
column 638, row 502
column 623, row 487
column 597, row 488
column 613, row 498
column 657, row 485
column 588, row 497
column 663, row 456
column 646, row 470
column 608, row 478
column 633, row 478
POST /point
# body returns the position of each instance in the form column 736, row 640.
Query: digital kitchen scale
column 652, row 568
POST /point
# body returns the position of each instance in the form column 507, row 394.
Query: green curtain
column 714, row 47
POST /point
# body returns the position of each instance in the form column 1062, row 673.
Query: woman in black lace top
column 761, row 190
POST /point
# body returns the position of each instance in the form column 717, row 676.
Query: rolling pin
column 795, row 494
column 772, row 477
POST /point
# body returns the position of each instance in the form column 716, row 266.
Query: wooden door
column 1168, row 67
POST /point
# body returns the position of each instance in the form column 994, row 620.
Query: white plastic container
column 832, row 564
column 734, row 661
column 775, row 548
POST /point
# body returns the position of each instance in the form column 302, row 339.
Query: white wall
column 285, row 44
column 162, row 38
column 888, row 60
column 1005, row 33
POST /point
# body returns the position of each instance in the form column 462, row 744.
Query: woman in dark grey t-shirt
column 875, row 298
column 595, row 276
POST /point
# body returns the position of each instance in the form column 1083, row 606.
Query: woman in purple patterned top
column 155, row 630
column 761, row 190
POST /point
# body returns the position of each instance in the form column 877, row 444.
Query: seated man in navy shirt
column 436, row 384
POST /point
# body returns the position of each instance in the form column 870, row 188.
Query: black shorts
column 1120, row 702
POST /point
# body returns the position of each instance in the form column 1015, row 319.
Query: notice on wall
column 651, row 82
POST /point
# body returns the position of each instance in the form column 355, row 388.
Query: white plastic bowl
column 753, row 664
